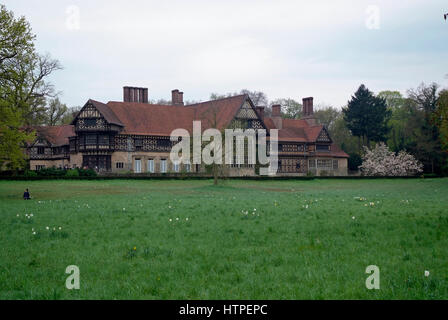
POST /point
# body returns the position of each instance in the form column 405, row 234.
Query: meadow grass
column 239, row 240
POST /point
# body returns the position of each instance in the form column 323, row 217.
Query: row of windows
column 301, row 147
column 93, row 139
column 57, row 150
column 163, row 166
column 324, row 164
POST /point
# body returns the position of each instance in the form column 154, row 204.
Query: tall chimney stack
column 308, row 107
column 277, row 116
column 260, row 111
column 177, row 98
column 134, row 94
column 308, row 111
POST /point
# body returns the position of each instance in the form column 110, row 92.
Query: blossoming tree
column 380, row 161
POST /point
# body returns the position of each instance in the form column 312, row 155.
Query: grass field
column 240, row 240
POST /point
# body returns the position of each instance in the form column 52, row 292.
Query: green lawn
column 191, row 240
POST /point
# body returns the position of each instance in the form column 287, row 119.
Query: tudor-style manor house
column 134, row 136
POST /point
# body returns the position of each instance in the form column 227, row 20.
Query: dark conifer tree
column 366, row 116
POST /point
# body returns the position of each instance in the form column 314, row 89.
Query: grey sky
column 284, row 48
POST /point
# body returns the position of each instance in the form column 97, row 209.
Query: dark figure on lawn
column 26, row 195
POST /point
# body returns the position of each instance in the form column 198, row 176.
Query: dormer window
column 322, row 148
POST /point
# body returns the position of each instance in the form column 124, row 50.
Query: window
column 163, row 142
column 151, row 166
column 163, row 166
column 90, row 122
column 138, row 165
column 188, row 167
column 91, row 139
column 322, row 147
column 138, row 143
column 312, row 163
column 175, row 167
column 40, row 167
column 103, row 139
column 119, row 165
column 324, row 164
column 335, row 164
column 40, row 150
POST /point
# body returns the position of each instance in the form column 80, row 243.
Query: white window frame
column 163, row 166
column 150, row 167
column 138, row 169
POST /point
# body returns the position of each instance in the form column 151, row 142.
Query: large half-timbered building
column 134, row 136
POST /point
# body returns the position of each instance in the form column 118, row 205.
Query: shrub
column 72, row 173
column 310, row 174
column 87, row 173
column 380, row 161
column 51, row 172
column 30, row 174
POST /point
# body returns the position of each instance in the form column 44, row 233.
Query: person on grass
column 26, row 195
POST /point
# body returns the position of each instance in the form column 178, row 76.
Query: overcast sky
column 295, row 49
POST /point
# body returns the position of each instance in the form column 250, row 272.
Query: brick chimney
column 177, row 98
column 277, row 116
column 260, row 111
column 134, row 94
column 308, row 111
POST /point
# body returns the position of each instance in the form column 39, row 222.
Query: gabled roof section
column 104, row 110
column 56, row 135
column 218, row 113
column 324, row 136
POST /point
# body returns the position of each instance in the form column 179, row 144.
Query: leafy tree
column 15, row 36
column 394, row 99
column 56, row 112
column 425, row 143
column 441, row 118
column 327, row 115
column 12, row 137
column 23, row 86
column 259, row 98
column 70, row 115
column 366, row 116
column 291, row 109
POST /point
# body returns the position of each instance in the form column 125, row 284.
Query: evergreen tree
column 366, row 116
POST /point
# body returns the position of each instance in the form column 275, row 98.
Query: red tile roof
column 152, row 119
column 56, row 135
column 297, row 130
